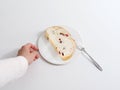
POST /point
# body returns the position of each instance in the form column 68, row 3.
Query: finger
column 27, row 47
column 34, row 47
column 37, row 56
column 30, row 45
column 31, row 50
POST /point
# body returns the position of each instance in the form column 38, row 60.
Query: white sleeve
column 11, row 69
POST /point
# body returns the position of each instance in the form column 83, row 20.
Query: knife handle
column 91, row 59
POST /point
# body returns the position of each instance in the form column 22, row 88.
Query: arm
column 13, row 68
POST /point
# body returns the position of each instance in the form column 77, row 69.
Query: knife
column 80, row 47
column 91, row 59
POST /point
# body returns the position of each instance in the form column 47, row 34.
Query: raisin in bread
column 61, row 40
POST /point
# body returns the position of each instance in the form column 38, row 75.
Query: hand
column 30, row 52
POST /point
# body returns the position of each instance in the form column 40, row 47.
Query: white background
column 98, row 22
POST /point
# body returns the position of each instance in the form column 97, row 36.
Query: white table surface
column 98, row 22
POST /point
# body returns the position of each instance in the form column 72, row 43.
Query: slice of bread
column 61, row 40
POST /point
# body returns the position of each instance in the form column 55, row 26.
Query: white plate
column 48, row 52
